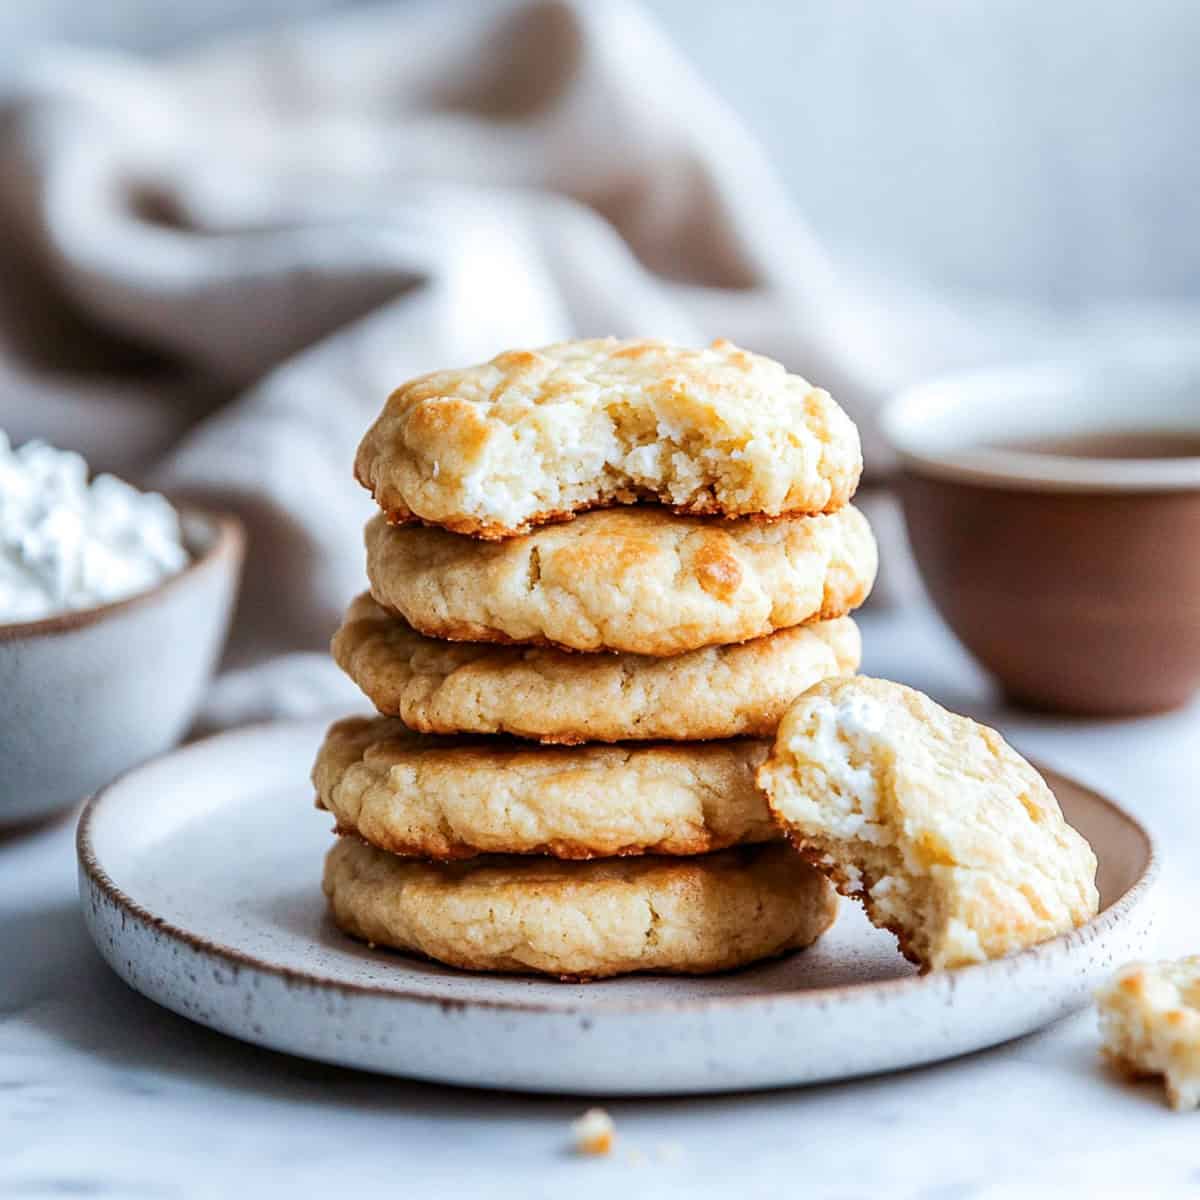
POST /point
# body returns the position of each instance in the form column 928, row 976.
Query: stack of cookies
column 600, row 574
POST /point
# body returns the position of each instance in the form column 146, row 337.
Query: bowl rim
column 225, row 548
column 910, row 421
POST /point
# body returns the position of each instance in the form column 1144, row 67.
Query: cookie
column 638, row 580
column 1150, row 1025
column 582, row 920
column 449, row 798
column 537, row 435
column 552, row 695
column 950, row 838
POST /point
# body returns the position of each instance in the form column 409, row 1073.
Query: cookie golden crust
column 950, row 838
column 555, row 696
column 582, row 920
column 638, row 580
column 1150, row 1025
column 536, row 435
column 450, row 798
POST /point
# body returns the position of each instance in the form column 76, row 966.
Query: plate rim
column 99, row 878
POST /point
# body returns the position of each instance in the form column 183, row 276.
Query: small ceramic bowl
column 1054, row 513
column 86, row 695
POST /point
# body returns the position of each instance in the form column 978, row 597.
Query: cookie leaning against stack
column 558, row 685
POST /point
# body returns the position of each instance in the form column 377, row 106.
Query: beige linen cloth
column 214, row 267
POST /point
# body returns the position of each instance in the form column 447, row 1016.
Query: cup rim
column 927, row 427
column 223, row 542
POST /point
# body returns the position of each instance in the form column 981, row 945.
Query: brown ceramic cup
column 1054, row 513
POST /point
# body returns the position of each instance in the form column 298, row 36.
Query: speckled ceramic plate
column 199, row 878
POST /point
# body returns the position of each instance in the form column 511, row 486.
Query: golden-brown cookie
column 638, row 580
column 950, row 838
column 452, row 798
column 552, row 695
column 1150, row 1024
column 536, row 435
column 583, row 920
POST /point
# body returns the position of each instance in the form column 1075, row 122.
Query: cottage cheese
column 66, row 544
column 852, row 723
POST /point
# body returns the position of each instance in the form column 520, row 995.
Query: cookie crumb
column 594, row 1132
column 1150, row 1025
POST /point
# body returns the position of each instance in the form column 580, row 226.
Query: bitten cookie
column 1150, row 1024
column 583, row 920
column 536, row 435
column 950, row 839
column 637, row 580
column 554, row 696
column 450, row 798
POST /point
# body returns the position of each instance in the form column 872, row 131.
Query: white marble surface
column 103, row 1094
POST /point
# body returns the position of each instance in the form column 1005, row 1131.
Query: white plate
column 199, row 879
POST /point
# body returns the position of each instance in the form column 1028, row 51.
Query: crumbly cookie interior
column 534, row 436
column 945, row 834
column 562, row 458
column 836, row 802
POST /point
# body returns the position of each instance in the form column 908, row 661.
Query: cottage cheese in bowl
column 67, row 543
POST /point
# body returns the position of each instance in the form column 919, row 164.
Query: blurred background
column 230, row 227
column 1038, row 152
